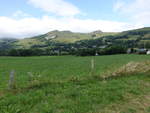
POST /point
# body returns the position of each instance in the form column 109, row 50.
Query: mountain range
column 131, row 37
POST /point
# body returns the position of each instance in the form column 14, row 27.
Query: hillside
column 6, row 43
column 134, row 38
column 137, row 34
column 131, row 38
column 59, row 37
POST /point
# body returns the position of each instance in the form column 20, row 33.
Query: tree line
column 61, row 51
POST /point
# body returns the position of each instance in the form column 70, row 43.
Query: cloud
column 58, row 7
column 30, row 26
column 23, row 25
column 138, row 10
column 20, row 14
column 118, row 5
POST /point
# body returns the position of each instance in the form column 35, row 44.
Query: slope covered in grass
column 65, row 85
column 59, row 37
column 138, row 38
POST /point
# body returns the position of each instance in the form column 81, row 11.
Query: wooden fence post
column 92, row 66
column 11, row 83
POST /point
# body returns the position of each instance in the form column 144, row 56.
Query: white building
column 148, row 52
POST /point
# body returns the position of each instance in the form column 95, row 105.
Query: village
column 138, row 51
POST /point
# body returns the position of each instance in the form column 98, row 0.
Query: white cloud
column 137, row 10
column 20, row 14
column 58, row 7
column 30, row 26
column 118, row 5
column 24, row 25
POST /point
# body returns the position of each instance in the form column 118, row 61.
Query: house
column 148, row 52
column 96, row 54
column 102, row 47
column 129, row 51
column 142, row 51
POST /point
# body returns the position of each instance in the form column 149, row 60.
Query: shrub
column 85, row 52
column 112, row 50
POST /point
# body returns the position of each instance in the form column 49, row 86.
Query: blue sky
column 93, row 9
column 25, row 18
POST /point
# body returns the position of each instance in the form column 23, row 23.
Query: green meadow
column 67, row 84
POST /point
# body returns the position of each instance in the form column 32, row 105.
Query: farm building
column 142, row 51
column 129, row 51
column 148, row 52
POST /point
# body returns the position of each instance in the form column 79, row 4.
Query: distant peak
column 55, row 31
column 67, row 31
column 97, row 32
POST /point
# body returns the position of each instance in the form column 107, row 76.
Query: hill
column 131, row 38
column 58, row 37
column 7, row 43
column 134, row 38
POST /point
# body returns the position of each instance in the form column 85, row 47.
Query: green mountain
column 58, row 37
column 137, row 37
column 7, row 43
column 131, row 38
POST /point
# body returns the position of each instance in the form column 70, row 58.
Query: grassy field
column 65, row 84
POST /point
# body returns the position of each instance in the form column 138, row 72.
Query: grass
column 64, row 85
column 28, row 43
column 129, row 69
column 62, row 37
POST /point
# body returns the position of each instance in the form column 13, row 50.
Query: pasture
column 66, row 84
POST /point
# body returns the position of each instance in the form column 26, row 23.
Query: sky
column 26, row 18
